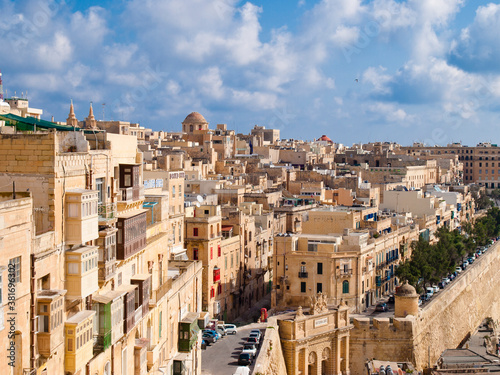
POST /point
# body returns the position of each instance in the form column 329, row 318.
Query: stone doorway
column 312, row 368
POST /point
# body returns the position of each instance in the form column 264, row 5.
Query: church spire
column 71, row 120
column 90, row 122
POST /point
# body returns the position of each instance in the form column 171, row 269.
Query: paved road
column 221, row 358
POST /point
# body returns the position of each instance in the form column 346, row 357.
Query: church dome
column 194, row 117
column 325, row 138
column 406, row 290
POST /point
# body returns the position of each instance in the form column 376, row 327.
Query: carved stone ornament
column 318, row 304
column 300, row 313
column 312, row 357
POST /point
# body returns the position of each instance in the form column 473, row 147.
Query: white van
column 230, row 329
column 242, row 370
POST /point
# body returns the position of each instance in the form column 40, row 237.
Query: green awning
column 32, row 124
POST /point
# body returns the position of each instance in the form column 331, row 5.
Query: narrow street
column 221, row 358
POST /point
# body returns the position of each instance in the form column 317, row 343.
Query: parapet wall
column 270, row 360
column 442, row 324
column 459, row 309
column 382, row 338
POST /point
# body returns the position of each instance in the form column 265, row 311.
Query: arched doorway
column 313, row 364
column 326, row 368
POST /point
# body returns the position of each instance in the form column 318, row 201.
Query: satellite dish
column 198, row 204
column 199, row 198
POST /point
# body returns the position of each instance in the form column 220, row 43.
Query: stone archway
column 312, row 367
column 326, row 367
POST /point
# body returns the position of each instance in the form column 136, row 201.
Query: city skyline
column 403, row 71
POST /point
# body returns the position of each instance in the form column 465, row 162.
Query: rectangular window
column 195, row 232
column 159, row 326
column 99, row 183
column 319, row 288
column 219, row 251
column 211, row 252
column 303, row 287
column 72, row 268
column 195, row 253
column 312, row 247
column 16, row 262
column 320, row 268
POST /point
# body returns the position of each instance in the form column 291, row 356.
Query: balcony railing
column 346, row 272
column 106, row 211
column 303, row 275
column 127, row 194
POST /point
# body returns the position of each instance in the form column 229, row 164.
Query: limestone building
column 315, row 340
column 105, row 295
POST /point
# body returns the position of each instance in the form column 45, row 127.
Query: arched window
column 345, row 287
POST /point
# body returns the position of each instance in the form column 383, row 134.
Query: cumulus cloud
column 391, row 113
column 476, row 48
column 341, row 62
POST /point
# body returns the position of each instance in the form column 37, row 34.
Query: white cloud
column 391, row 113
column 378, row 79
column 253, row 100
column 211, row 84
column 57, row 53
column 477, row 48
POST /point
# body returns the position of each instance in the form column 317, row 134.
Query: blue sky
column 382, row 70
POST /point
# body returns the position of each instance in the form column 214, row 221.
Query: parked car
column 429, row 291
column 209, row 339
column 446, row 280
column 250, row 348
column 203, row 344
column 391, row 299
column 254, row 334
column 231, row 329
column 257, row 331
column 242, row 370
column 458, row 269
column 211, row 333
column 471, row 260
column 253, row 340
column 381, row 307
column 441, row 284
column 245, row 359
column 220, row 331
column 436, row 289
column 220, row 327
